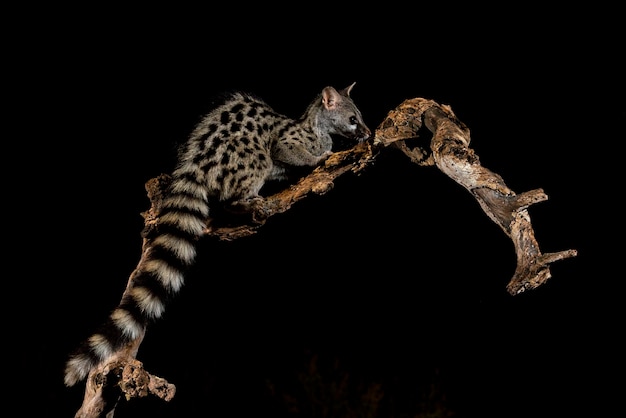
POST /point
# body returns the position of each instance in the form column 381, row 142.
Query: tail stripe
column 126, row 323
column 185, row 221
column 100, row 345
column 145, row 298
column 186, row 201
column 158, row 252
column 170, row 277
column 181, row 248
column 188, row 184
column 150, row 304
column 78, row 368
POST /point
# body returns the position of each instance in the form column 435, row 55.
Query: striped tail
column 169, row 252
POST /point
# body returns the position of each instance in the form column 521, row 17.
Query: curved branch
column 449, row 151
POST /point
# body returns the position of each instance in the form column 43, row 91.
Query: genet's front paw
column 324, row 156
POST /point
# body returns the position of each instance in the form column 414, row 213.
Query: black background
column 396, row 276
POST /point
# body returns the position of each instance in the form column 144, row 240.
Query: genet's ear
column 347, row 90
column 330, row 98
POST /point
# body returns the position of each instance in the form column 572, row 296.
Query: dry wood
column 411, row 121
column 449, row 151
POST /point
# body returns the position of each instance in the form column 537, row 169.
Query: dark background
column 396, row 277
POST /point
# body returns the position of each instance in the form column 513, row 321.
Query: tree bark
column 449, row 151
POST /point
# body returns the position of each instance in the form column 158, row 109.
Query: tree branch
column 412, row 120
column 449, row 151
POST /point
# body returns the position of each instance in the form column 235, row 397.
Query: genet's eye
column 353, row 120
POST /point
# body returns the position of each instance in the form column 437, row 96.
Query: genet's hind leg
column 251, row 202
column 257, row 207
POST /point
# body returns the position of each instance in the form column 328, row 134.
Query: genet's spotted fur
column 232, row 152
